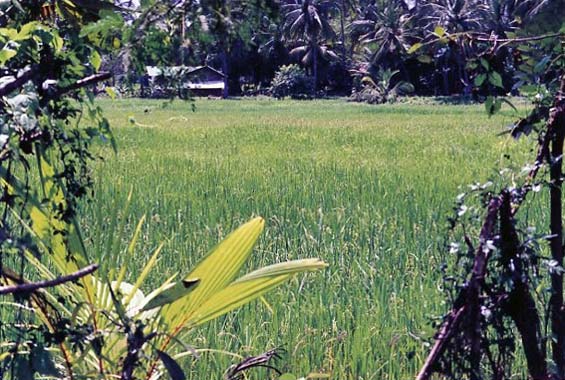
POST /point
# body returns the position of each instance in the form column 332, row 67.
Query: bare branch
column 87, row 81
column 24, row 76
column 30, row 287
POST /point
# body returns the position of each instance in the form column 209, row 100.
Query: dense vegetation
column 340, row 42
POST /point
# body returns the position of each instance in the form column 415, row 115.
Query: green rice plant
column 365, row 188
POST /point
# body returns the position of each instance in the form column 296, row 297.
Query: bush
column 378, row 89
column 292, row 81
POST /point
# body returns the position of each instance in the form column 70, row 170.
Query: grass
column 366, row 188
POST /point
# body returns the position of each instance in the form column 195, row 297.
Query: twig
column 87, row 81
column 25, row 75
column 33, row 286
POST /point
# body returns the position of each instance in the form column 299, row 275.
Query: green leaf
column 57, row 42
column 172, row 294
column 6, row 54
column 216, row 271
column 425, row 59
column 495, row 79
column 492, row 105
column 480, row 79
column 485, row 64
column 250, row 287
column 439, row 31
column 26, row 30
column 488, row 104
column 415, row 47
column 111, row 92
column 95, row 60
column 287, row 376
column 172, row 367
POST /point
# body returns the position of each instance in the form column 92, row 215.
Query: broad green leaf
column 218, row 269
column 439, row 31
column 425, row 59
column 26, row 30
column 168, row 296
column 6, row 54
column 488, row 104
column 57, row 42
column 95, row 60
column 495, row 79
column 485, row 63
column 480, row 79
column 289, row 267
column 111, row 92
column 250, row 287
column 232, row 297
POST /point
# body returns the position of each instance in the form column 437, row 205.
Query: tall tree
column 388, row 30
column 307, row 25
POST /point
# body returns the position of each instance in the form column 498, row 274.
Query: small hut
column 201, row 80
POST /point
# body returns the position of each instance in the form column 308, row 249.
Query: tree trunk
column 314, row 48
column 342, row 27
column 182, row 38
column 225, row 70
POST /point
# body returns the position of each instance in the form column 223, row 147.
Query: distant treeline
column 342, row 43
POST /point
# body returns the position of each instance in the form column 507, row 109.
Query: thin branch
column 25, row 75
column 87, row 81
column 517, row 39
column 34, row 286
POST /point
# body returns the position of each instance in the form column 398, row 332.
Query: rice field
column 366, row 188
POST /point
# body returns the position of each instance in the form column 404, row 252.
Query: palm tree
column 345, row 7
column 508, row 15
column 454, row 16
column 306, row 25
column 389, row 29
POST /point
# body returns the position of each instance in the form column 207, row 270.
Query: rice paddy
column 366, row 188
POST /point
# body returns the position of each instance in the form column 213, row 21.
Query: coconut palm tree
column 307, row 27
column 507, row 15
column 388, row 29
column 452, row 17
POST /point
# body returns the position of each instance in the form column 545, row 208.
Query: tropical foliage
column 251, row 40
column 293, row 82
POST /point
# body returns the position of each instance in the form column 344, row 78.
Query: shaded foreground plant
column 125, row 332
column 504, row 289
